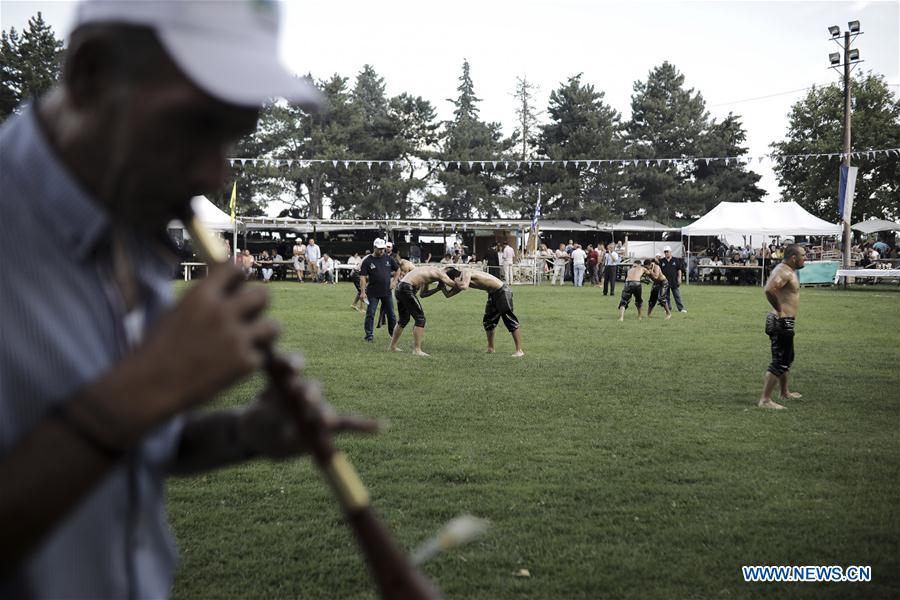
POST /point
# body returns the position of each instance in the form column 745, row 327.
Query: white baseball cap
column 228, row 48
column 667, row 249
column 379, row 243
column 659, row 254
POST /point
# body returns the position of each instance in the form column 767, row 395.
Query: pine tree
column 469, row 191
column 667, row 121
column 29, row 63
column 581, row 127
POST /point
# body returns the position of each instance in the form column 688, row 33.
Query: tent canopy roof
column 642, row 225
column 760, row 218
column 875, row 225
column 209, row 214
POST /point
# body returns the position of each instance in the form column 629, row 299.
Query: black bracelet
column 63, row 415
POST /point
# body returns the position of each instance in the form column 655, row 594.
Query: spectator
column 247, row 264
column 415, row 253
column 578, row 265
column 593, row 263
column 559, row 264
column 265, row 266
column 326, row 269
column 546, row 258
column 299, row 258
column 313, row 254
column 509, row 257
column 610, row 262
column 448, row 259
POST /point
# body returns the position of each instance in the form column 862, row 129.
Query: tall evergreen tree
column 718, row 181
column 581, row 127
column 816, row 126
column 29, row 63
column 667, row 121
column 469, row 191
column 526, row 131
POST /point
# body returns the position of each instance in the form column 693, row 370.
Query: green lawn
column 614, row 460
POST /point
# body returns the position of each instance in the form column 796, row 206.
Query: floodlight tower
column 851, row 59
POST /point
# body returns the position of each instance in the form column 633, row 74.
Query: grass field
column 616, row 460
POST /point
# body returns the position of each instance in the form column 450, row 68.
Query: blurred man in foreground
column 99, row 370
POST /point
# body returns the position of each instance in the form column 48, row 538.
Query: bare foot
column 392, row 349
column 621, row 319
column 792, row 396
column 489, row 351
column 766, row 403
column 668, row 317
column 420, row 353
column 518, row 354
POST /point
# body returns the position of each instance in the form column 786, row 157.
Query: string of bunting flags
column 517, row 164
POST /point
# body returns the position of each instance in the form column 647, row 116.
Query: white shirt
column 326, row 264
column 313, row 253
column 578, row 256
column 509, row 255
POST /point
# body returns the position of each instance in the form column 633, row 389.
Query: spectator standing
column 509, row 257
column 593, row 263
column 375, row 274
column 578, row 265
column 299, row 258
column 610, row 265
column 415, row 253
column 561, row 257
column 674, row 270
column 313, row 254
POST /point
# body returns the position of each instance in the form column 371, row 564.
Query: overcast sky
column 734, row 53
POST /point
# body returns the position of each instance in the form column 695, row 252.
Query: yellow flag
column 233, row 200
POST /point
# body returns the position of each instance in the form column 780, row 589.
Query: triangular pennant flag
column 243, row 162
column 334, row 163
column 346, row 164
column 494, row 163
column 231, row 161
column 471, row 163
column 369, row 164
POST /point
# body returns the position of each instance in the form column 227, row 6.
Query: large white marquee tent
column 760, row 220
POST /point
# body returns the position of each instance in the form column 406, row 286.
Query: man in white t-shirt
column 326, row 269
column 559, row 265
column 578, row 261
column 313, row 254
column 509, row 256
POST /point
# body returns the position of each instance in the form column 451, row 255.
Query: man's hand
column 212, row 338
column 269, row 427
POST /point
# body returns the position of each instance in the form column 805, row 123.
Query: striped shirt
column 62, row 326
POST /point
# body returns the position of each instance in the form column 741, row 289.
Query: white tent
column 875, row 225
column 210, row 215
column 760, row 219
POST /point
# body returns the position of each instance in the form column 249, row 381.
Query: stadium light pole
column 851, row 59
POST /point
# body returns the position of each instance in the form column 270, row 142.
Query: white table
column 867, row 273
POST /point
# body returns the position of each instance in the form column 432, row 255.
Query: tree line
column 668, row 120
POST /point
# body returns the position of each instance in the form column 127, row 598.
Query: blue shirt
column 379, row 270
column 61, row 328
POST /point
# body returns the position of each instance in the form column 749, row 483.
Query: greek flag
column 537, row 214
column 846, row 189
